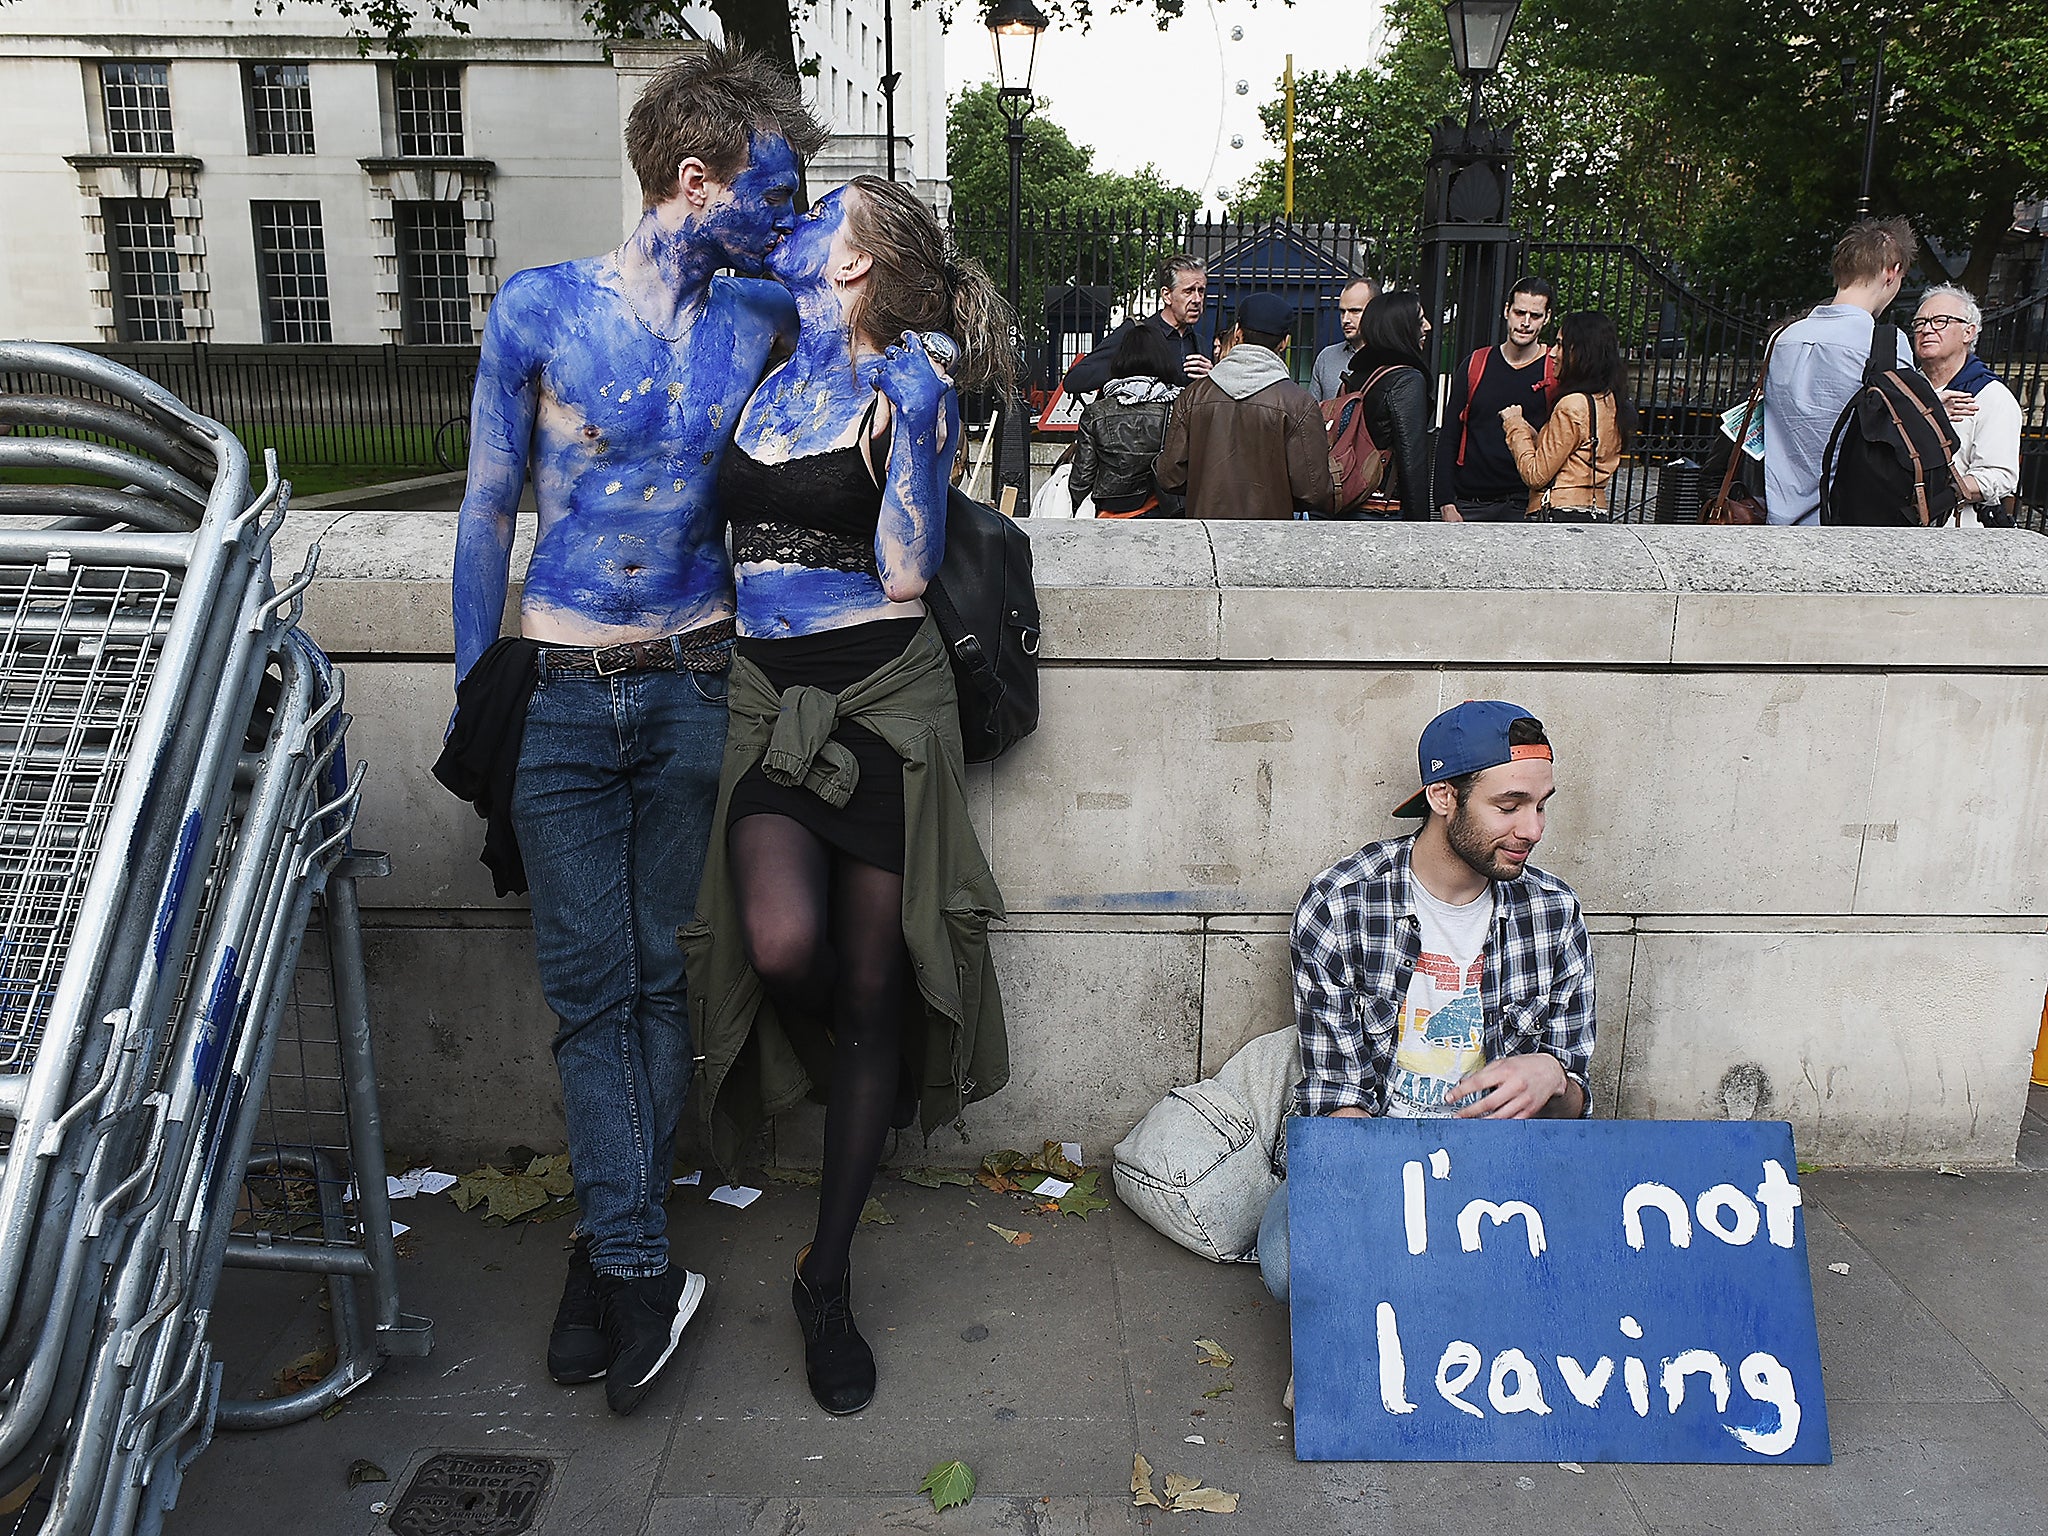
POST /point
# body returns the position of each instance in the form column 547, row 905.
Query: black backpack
column 986, row 608
column 1890, row 460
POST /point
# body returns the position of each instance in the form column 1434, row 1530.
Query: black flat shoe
column 837, row 1360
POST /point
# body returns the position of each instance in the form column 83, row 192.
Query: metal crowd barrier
column 174, row 806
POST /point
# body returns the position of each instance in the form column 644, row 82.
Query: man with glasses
column 1985, row 413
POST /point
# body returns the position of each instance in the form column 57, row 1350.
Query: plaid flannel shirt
column 1356, row 941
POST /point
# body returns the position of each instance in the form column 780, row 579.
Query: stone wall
column 1803, row 782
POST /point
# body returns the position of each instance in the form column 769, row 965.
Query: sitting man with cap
column 1442, row 973
column 1247, row 441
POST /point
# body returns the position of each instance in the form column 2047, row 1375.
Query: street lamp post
column 889, row 80
column 1863, row 206
column 1467, row 186
column 1014, row 27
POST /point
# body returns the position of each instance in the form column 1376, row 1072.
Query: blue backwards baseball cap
column 1465, row 739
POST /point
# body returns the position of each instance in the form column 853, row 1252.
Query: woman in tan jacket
column 1570, row 463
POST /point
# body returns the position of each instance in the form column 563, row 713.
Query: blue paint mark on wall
column 1547, row 1291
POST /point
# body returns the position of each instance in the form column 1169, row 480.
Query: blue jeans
column 1273, row 1244
column 618, row 780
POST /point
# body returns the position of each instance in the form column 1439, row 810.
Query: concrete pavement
column 1045, row 1366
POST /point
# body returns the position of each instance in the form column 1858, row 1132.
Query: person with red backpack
column 1476, row 478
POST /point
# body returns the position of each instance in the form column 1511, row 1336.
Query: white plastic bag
column 1055, row 497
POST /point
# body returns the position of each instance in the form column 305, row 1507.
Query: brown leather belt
column 708, row 649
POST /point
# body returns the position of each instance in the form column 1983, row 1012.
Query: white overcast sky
column 1134, row 93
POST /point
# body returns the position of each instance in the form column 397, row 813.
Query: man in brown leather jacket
column 1247, row 441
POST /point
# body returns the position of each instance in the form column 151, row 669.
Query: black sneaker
column 837, row 1361
column 577, row 1351
column 643, row 1322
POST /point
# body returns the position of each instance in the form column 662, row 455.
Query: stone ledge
column 1352, row 593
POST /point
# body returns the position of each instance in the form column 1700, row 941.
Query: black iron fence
column 1693, row 350
column 405, row 408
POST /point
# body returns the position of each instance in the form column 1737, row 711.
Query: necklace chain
column 626, row 294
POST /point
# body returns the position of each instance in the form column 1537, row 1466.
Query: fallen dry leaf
column 361, row 1471
column 1212, row 1501
column 996, row 1182
column 1218, row 1391
column 1014, row 1238
column 303, row 1372
column 1141, row 1484
column 1178, row 1483
column 933, row 1178
column 1214, row 1354
column 876, row 1214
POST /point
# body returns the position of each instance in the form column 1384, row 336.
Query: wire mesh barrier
column 175, row 804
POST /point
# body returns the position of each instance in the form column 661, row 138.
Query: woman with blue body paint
column 853, row 865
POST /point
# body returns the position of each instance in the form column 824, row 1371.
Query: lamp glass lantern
column 1479, row 34
column 1014, row 27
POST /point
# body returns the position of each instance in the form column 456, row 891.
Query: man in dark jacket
column 1247, row 441
column 1183, row 294
column 1476, row 478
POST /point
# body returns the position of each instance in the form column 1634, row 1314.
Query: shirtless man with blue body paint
column 615, row 383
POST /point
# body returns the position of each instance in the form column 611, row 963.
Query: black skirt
column 870, row 825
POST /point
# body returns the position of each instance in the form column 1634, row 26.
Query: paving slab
column 1974, row 1250
column 1899, row 1468
column 1046, row 1365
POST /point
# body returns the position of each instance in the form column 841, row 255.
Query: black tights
column 824, row 932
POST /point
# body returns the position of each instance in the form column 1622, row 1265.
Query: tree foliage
column 1729, row 131
column 1057, row 172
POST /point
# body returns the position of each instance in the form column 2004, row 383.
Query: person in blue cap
column 1441, row 973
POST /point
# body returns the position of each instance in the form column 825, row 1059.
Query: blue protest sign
column 1540, row 1290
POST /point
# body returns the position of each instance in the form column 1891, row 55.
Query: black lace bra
column 817, row 510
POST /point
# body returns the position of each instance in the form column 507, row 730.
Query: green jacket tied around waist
column 750, row 1066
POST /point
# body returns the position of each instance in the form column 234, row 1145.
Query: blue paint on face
column 615, row 383
column 815, row 403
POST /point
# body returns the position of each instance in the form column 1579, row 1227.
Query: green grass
column 316, row 459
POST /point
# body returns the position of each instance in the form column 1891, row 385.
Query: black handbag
column 986, row 607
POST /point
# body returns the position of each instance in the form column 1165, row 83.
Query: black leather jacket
column 1114, row 451
column 1397, row 416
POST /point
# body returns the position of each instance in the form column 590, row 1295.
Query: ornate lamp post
column 1479, row 41
column 1467, row 185
column 1014, row 27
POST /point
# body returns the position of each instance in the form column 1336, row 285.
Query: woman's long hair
column 1389, row 336
column 919, row 281
column 1590, row 363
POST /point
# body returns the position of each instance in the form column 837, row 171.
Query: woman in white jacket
column 1985, row 413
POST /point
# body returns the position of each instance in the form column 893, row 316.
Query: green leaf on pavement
column 876, row 1214
column 949, row 1483
column 1082, row 1200
column 1219, row 1391
column 933, row 1178
column 361, row 1471
column 553, row 1173
column 804, row 1178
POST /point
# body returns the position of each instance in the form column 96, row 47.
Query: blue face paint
column 814, row 403
column 616, row 383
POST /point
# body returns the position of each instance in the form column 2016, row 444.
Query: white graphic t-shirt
column 1442, row 1026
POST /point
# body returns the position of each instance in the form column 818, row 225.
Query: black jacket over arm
column 1397, row 416
column 1093, row 371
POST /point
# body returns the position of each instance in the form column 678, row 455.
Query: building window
column 433, row 273
column 291, row 268
column 280, row 98
column 137, row 98
column 428, row 101
column 142, row 255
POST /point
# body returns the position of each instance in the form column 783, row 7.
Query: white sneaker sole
column 686, row 1308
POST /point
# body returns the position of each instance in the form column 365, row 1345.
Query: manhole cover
column 470, row 1493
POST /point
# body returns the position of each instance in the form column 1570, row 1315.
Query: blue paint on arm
column 910, row 536
column 502, row 415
